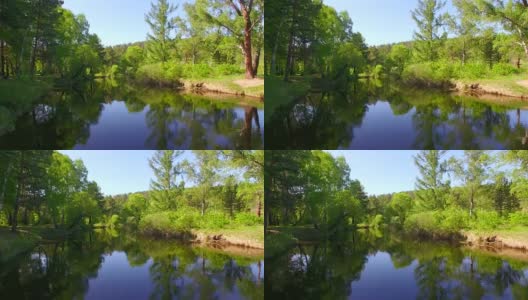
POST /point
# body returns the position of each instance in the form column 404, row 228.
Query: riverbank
column 26, row 238
column 247, row 236
column 514, row 238
column 281, row 93
column 281, row 238
column 16, row 97
column 509, row 86
column 13, row 244
column 229, row 84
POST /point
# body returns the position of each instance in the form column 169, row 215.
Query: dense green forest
column 43, row 45
column 480, row 191
column 48, row 193
column 212, row 39
column 475, row 45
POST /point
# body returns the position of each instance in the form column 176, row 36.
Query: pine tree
column 429, row 21
column 431, row 187
column 161, row 25
column 164, row 187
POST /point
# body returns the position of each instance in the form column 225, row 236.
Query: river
column 375, row 266
column 102, row 266
column 377, row 116
column 122, row 116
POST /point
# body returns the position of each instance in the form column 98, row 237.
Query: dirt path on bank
column 248, row 83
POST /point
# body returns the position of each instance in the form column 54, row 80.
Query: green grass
column 13, row 244
column 21, row 93
column 280, row 93
column 281, row 238
column 518, row 232
column 508, row 84
column 16, row 97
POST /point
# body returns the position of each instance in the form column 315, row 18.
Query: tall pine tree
column 161, row 25
column 164, row 187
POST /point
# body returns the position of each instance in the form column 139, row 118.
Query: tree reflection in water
column 146, row 118
column 65, row 270
column 337, row 268
column 368, row 115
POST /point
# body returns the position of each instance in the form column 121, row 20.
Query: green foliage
column 518, row 218
column 248, row 219
column 504, row 69
column 442, row 224
column 429, row 20
column 486, row 220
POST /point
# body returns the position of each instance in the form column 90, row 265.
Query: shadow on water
column 101, row 266
column 366, row 266
column 373, row 115
column 102, row 116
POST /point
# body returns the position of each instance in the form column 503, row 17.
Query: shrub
column 214, row 220
column 226, row 69
column 453, row 220
column 504, row 69
column 486, row 220
column 248, row 219
column 472, row 70
column 421, row 223
column 171, row 222
column 429, row 75
column 443, row 224
column 518, row 218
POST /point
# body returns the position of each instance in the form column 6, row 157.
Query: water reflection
column 365, row 267
column 103, row 267
column 138, row 119
column 376, row 116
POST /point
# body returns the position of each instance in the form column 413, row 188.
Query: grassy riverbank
column 515, row 237
column 281, row 238
column 16, row 97
column 281, row 93
column 228, row 84
column 501, row 80
column 26, row 238
column 244, row 236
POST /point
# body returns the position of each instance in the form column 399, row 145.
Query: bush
column 421, row 223
column 504, row 69
column 171, row 222
column 429, row 75
column 226, row 69
column 443, row 224
column 214, row 220
column 518, row 218
column 453, row 220
column 472, row 71
column 248, row 219
column 486, row 220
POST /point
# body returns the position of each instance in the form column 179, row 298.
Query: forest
column 477, row 195
column 45, row 46
column 478, row 46
column 46, row 195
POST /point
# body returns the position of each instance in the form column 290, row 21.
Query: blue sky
column 118, row 172
column 115, row 21
column 381, row 21
column 383, row 172
column 123, row 21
